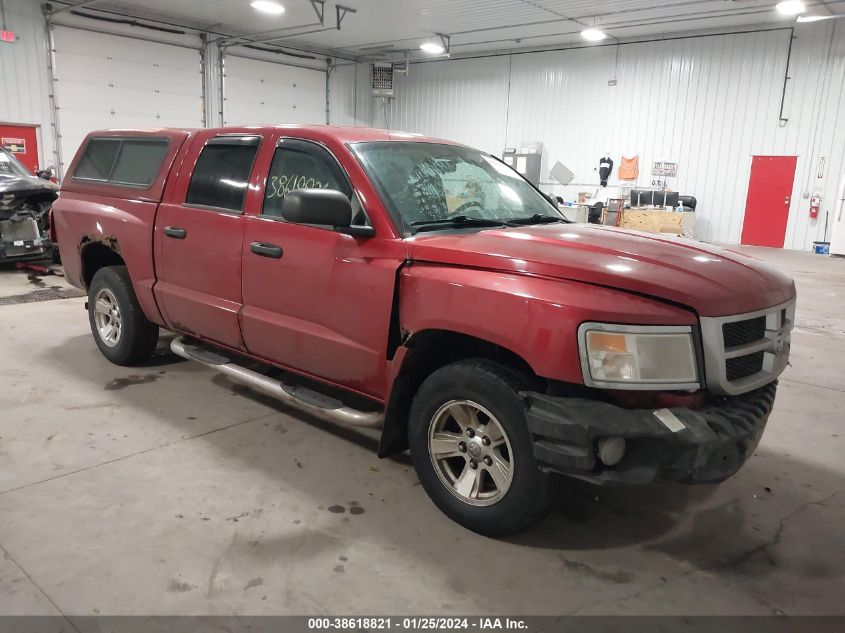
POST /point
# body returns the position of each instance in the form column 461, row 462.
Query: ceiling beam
column 341, row 13
column 250, row 36
column 49, row 10
column 275, row 38
column 70, row 7
column 747, row 15
column 319, row 7
column 273, row 35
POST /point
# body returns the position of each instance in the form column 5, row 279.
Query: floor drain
column 47, row 294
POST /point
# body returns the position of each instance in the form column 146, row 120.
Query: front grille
column 743, row 352
column 742, row 332
column 743, row 366
column 739, row 333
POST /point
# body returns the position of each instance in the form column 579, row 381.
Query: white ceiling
column 474, row 25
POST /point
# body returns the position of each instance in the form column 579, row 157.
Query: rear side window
column 122, row 161
column 221, row 175
column 98, row 159
column 138, row 162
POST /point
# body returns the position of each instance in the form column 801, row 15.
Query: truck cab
column 391, row 280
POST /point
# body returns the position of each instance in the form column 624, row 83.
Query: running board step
column 302, row 398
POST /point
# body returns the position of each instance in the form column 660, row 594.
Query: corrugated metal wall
column 709, row 103
column 349, row 95
column 816, row 108
column 23, row 71
column 476, row 90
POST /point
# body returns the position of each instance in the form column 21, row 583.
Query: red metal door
column 22, row 141
column 769, row 198
column 199, row 235
column 321, row 304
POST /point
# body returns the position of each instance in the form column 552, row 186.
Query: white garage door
column 107, row 81
column 258, row 92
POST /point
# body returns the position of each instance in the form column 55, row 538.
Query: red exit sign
column 7, row 36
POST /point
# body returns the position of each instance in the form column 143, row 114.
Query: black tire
column 138, row 336
column 494, row 387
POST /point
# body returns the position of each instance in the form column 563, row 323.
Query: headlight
column 637, row 356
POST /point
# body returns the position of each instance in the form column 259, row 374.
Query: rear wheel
column 122, row 332
column 472, row 450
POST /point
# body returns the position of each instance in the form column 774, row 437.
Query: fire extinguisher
column 815, row 203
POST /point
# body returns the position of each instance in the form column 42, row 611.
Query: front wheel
column 122, row 332
column 472, row 450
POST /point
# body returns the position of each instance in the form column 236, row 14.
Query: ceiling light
column 815, row 18
column 432, row 48
column 268, row 6
column 790, row 7
column 593, row 35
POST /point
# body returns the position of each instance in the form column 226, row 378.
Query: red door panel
column 22, row 141
column 769, row 197
column 199, row 276
column 323, row 307
column 198, row 244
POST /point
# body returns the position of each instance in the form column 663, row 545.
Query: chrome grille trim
column 775, row 344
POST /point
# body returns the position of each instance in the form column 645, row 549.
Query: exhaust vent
column 381, row 79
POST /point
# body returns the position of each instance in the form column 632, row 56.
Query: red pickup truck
column 390, row 280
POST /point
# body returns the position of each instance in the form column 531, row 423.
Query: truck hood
column 710, row 280
column 12, row 184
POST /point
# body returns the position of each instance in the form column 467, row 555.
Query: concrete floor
column 18, row 281
column 166, row 490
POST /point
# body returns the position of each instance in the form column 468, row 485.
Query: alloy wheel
column 107, row 317
column 471, row 452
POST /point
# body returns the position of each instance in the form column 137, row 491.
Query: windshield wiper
column 537, row 218
column 455, row 221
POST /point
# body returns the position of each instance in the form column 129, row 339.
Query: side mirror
column 44, row 174
column 324, row 207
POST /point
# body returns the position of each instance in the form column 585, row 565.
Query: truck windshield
column 9, row 165
column 428, row 186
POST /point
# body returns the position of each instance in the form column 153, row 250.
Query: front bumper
column 24, row 249
column 703, row 446
column 21, row 239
